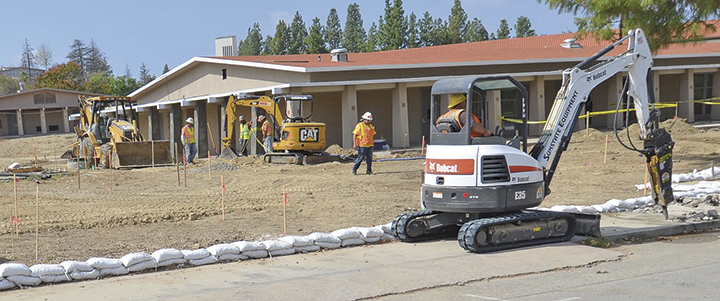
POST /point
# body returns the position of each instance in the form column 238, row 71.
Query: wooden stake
column 152, row 146
column 422, row 149
column 17, row 225
column 12, row 237
column 405, row 141
column 606, row 147
column 111, row 168
column 177, row 165
column 646, row 180
column 212, row 139
column 35, row 154
column 210, row 164
column 284, row 197
column 184, row 169
column 37, row 221
column 223, row 197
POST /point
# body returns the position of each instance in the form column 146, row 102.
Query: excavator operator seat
column 448, row 125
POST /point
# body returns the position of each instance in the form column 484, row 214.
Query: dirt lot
column 145, row 209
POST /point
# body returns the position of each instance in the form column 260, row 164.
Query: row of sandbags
column 18, row 274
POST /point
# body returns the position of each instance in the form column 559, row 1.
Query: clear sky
column 159, row 32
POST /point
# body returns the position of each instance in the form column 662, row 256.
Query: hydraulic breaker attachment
column 658, row 152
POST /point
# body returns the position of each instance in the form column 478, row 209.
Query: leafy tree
column 267, row 48
column 371, row 43
column 252, row 45
column 503, row 31
column 28, row 59
column 475, row 31
column 413, row 40
column 8, row 85
column 664, row 22
column 280, row 41
column 145, row 76
column 78, row 54
column 43, row 56
column 166, row 69
column 457, row 24
column 314, row 41
column 124, row 85
column 96, row 61
column 332, row 31
column 66, row 76
column 522, row 28
column 98, row 83
column 392, row 28
column 296, row 35
column 354, row 35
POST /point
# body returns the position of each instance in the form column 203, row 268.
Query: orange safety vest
column 364, row 135
column 455, row 114
column 266, row 129
column 188, row 134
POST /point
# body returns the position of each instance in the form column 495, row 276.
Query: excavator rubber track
column 414, row 226
column 525, row 228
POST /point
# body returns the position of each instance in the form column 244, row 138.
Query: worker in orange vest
column 267, row 133
column 364, row 142
column 188, row 140
column 458, row 103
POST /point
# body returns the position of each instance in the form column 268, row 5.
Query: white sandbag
column 324, row 237
column 83, row 275
column 329, row 245
column 6, row 284
column 104, row 263
column 135, row 258
column 256, row 253
column 14, row 269
column 298, row 241
column 565, row 208
column 281, row 252
column 388, row 237
column 347, row 233
column 373, row 239
column 21, row 280
column 274, row 245
column 387, row 228
column 195, row 254
column 222, row 249
column 203, row 261
column 587, row 209
column 171, row 261
column 245, row 246
column 166, row 254
column 54, row 278
column 371, row 234
column 72, row 265
column 148, row 264
column 232, row 257
column 121, row 270
column 352, row 242
column 46, row 269
column 307, row 249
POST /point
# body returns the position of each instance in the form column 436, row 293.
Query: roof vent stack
column 226, row 46
column 570, row 43
column 339, row 55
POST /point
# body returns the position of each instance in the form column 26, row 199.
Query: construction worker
column 244, row 135
column 267, row 133
column 364, row 142
column 458, row 103
column 188, row 140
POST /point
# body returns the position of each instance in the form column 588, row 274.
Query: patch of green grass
column 598, row 242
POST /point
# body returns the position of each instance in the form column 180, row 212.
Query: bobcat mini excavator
column 295, row 137
column 101, row 138
column 483, row 189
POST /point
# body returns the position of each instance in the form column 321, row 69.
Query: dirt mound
column 338, row 150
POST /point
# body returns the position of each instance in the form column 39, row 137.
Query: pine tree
column 297, row 34
column 27, row 61
column 426, row 30
column 522, row 28
column 96, row 61
column 166, row 69
column 145, row 76
column 457, row 24
column 314, row 41
column 371, row 44
column 280, row 41
column 354, row 35
column 78, row 54
column 413, row 40
column 503, row 31
column 332, row 31
column 252, row 45
column 392, row 28
column 268, row 46
column 476, row 31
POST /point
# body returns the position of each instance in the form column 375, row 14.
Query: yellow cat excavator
column 295, row 137
column 102, row 139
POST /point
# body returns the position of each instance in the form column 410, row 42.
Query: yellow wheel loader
column 116, row 142
column 296, row 139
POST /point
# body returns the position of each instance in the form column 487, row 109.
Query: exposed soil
column 115, row 213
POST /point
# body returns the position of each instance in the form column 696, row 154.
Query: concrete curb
column 657, row 231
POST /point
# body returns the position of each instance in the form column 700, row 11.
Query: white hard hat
column 261, row 117
column 241, row 118
column 367, row 116
column 190, row 120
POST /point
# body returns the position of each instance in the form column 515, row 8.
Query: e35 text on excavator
column 485, row 189
column 101, row 138
column 295, row 137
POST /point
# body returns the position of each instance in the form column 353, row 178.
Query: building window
column 54, row 128
column 702, row 90
column 44, row 98
column 38, row 129
column 224, row 73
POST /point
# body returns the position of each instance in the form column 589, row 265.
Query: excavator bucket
column 228, row 153
column 142, row 154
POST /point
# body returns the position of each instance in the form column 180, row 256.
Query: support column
column 256, row 131
column 400, row 117
column 66, row 121
column 614, row 92
column 656, row 85
column 685, row 107
column 494, row 110
column 176, row 124
column 43, row 121
column 21, row 128
column 201, row 131
column 349, row 115
column 536, row 111
column 154, row 124
column 715, row 109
